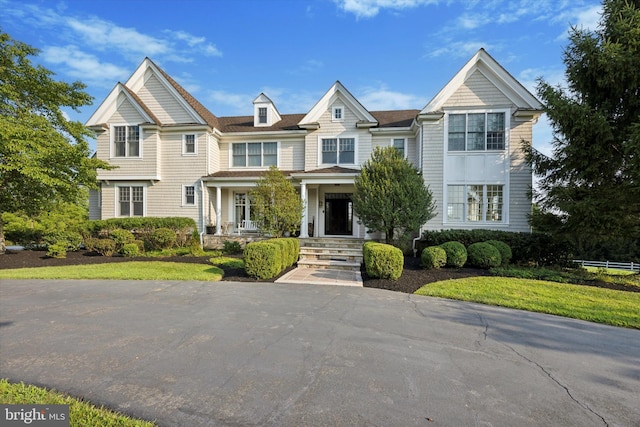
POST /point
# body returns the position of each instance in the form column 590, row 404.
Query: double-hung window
column 254, row 154
column 189, row 192
column 189, row 144
column 399, row 144
column 131, row 201
column 126, row 141
column 338, row 150
column 476, row 131
column 262, row 115
column 475, row 203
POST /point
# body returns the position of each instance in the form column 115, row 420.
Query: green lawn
column 81, row 413
column 617, row 308
column 134, row 270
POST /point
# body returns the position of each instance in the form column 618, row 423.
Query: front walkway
column 322, row 276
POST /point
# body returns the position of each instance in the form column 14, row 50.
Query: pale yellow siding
column 163, row 103
column 477, row 90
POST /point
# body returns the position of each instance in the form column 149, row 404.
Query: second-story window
column 476, row 131
column 338, row 151
column 189, row 144
column 126, row 140
column 262, row 115
column 254, row 154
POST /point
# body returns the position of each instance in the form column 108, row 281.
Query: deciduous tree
column 391, row 196
column 44, row 157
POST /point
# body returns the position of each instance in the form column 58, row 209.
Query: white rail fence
column 632, row 266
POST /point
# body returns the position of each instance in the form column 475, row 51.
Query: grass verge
column 134, row 270
column 611, row 307
column 227, row 262
column 81, row 413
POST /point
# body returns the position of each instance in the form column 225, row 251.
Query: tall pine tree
column 592, row 180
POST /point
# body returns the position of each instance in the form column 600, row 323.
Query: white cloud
column 84, row 66
column 381, row 98
column 238, row 104
column 586, row 18
column 196, row 42
column 370, row 8
column 461, row 49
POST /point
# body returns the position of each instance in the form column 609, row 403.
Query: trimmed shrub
column 483, row 255
column 231, row 247
column 105, row 247
column 130, row 250
column 456, row 254
column 162, row 238
column 262, row 260
column 121, row 237
column 283, row 247
column 382, row 260
column 433, row 257
column 503, row 248
column 70, row 239
column 57, row 250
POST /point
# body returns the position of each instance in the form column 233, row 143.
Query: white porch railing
column 632, row 266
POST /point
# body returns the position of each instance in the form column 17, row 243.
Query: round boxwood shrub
column 130, row 250
column 433, row 257
column 483, row 255
column 162, row 238
column 503, row 248
column 456, row 254
column 122, row 237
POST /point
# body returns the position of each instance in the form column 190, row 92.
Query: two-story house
column 176, row 158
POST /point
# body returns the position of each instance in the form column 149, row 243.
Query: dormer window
column 262, row 115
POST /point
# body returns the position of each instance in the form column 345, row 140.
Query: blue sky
column 390, row 54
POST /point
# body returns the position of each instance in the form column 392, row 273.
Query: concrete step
column 329, row 264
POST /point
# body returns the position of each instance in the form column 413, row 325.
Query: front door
column 338, row 214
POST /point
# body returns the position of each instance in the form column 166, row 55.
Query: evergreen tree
column 44, row 158
column 592, row 180
column 276, row 204
column 390, row 195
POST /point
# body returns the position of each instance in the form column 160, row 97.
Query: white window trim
column 184, row 144
column 184, row 196
column 112, row 144
column 484, row 223
column 231, row 166
column 507, row 129
column 144, row 186
column 338, row 137
column 406, row 140
column 333, row 113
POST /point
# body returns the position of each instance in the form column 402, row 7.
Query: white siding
column 433, row 167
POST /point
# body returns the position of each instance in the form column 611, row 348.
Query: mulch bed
column 413, row 276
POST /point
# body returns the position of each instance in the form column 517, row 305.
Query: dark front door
column 338, row 214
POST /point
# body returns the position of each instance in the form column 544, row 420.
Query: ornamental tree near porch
column 391, row 196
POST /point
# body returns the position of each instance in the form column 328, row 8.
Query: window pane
column 337, row 113
column 255, row 153
column 190, row 144
column 270, row 153
column 329, row 151
column 494, row 203
column 475, row 135
column 239, row 154
column 455, row 204
column 495, row 131
column 262, row 115
column 398, row 144
column 474, row 203
column 133, row 138
column 190, row 195
column 124, row 198
column 119, row 138
column 347, row 146
column 457, row 129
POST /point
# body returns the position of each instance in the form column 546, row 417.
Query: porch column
column 304, row 230
column 218, row 209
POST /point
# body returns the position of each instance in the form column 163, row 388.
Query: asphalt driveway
column 264, row 354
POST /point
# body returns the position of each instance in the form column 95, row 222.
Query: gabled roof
column 110, row 104
column 199, row 112
column 337, row 91
column 496, row 74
